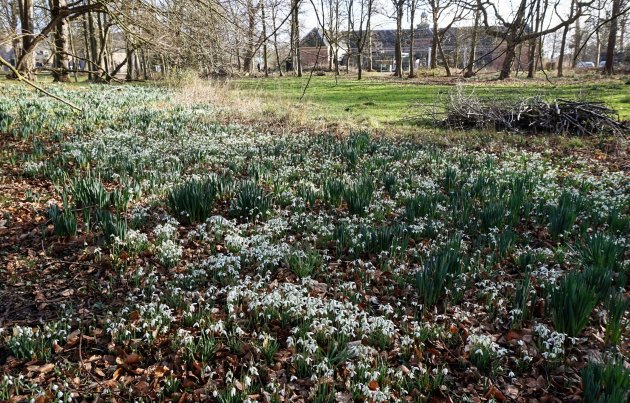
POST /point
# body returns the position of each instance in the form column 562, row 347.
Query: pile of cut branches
column 533, row 115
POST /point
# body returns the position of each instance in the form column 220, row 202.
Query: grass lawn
column 380, row 100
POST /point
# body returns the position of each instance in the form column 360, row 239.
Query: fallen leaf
column 39, row 296
column 495, row 393
column 67, row 293
column 132, row 358
column 160, row 371
column 512, row 335
column 42, row 369
column 512, row 391
column 117, row 374
column 56, row 347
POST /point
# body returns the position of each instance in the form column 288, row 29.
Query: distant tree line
column 148, row 38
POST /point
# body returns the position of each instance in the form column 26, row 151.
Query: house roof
column 313, row 39
column 384, row 40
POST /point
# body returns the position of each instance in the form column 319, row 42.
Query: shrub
column 562, row 216
column 89, row 193
column 192, row 202
column 169, row 253
column 606, row 383
column 251, row 201
column 64, row 221
column 359, row 196
column 37, row 343
column 521, row 311
column 616, row 306
column 308, row 194
column 113, row 226
column 392, row 239
column 436, row 273
column 420, row 205
column 450, row 179
column 492, row 215
column 484, row 353
column 600, row 251
column 390, row 183
column 303, row 264
column 572, row 303
column 333, row 191
column 600, row 279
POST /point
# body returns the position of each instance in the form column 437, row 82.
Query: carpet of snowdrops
column 164, row 256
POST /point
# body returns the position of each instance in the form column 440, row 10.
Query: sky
column 384, row 19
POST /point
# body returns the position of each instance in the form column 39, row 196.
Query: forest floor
column 197, row 243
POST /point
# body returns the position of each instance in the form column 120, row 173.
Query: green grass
column 381, row 100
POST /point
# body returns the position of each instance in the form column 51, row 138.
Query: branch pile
column 533, row 115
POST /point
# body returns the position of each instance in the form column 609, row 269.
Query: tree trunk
column 27, row 65
column 612, row 38
column 398, row 46
column 330, row 53
column 75, row 60
column 412, row 58
column 93, row 46
column 86, row 43
column 295, row 37
column 337, row 38
column 470, row 69
column 443, row 56
column 130, row 57
column 275, row 38
column 512, row 41
column 531, row 62
column 510, row 55
column 563, row 45
column 359, row 66
column 434, row 44
column 62, row 59
column 264, row 34
column 248, row 60
column 622, row 34
column 577, row 40
column 370, row 68
column 14, row 24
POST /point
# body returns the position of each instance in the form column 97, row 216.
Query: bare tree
column 359, row 20
column 439, row 8
column 399, row 6
column 563, row 42
column 537, row 17
column 61, row 39
column 25, row 60
column 250, row 45
column 295, row 37
column 413, row 5
column 472, row 56
column 612, row 37
column 513, row 31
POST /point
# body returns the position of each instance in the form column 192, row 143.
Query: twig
column 19, row 77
